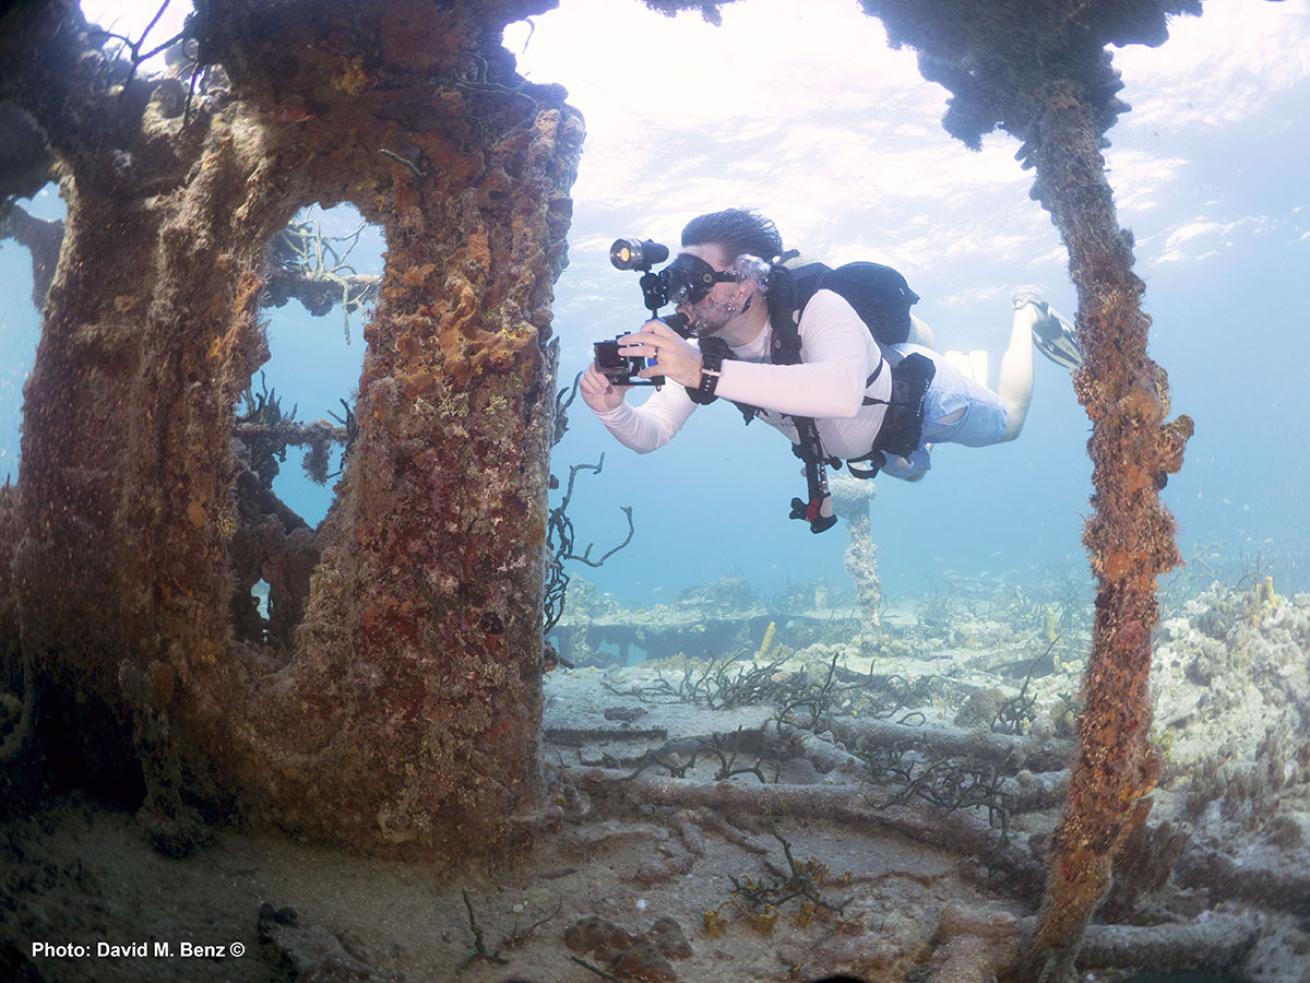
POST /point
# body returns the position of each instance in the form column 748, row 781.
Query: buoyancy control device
column 882, row 298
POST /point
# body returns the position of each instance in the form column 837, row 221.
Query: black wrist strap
column 713, row 353
column 710, row 368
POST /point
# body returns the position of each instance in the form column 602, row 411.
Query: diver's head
column 723, row 267
column 736, row 231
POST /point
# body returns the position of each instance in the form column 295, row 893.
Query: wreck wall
column 406, row 715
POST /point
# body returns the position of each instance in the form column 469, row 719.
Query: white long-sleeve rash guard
column 838, row 354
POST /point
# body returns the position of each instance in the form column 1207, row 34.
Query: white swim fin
column 1054, row 335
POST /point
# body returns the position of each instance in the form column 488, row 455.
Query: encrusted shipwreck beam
column 17, row 688
column 403, row 711
column 1130, row 535
column 1041, row 71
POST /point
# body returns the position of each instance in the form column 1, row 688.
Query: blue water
column 1229, row 327
column 858, row 167
column 315, row 362
column 20, row 327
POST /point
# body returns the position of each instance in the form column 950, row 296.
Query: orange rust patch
column 417, row 276
column 417, row 382
column 408, row 346
column 479, row 249
column 209, row 650
column 1143, row 402
column 248, row 289
column 352, row 79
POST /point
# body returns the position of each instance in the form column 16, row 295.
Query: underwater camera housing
column 621, row 370
column 639, row 255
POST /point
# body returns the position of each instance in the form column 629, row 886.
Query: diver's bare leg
column 1015, row 385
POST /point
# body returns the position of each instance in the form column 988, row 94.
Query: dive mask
column 689, row 279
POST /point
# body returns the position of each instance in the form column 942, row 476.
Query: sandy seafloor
column 1232, row 814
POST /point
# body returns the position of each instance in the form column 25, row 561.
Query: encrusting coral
column 851, row 498
column 404, row 711
column 1044, row 74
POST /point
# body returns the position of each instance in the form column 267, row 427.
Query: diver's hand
column 599, row 393
column 675, row 358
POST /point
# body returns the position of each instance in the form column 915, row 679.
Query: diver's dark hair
column 739, row 232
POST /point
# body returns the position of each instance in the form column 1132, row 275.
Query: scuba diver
column 832, row 358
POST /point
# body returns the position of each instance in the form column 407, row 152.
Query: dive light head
column 637, row 254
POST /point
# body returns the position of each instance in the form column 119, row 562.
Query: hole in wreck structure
column 260, row 593
column 30, row 233
column 296, row 419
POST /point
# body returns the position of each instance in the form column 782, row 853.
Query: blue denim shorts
column 984, row 416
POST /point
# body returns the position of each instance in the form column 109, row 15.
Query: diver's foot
column 1053, row 334
column 1029, row 295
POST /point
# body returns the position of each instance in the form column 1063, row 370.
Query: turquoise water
column 315, row 362
column 855, row 166
column 1222, row 245
column 20, row 328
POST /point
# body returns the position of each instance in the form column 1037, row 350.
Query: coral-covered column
column 409, row 714
column 851, row 498
column 1129, row 537
column 429, row 596
column 403, row 711
column 1043, row 72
